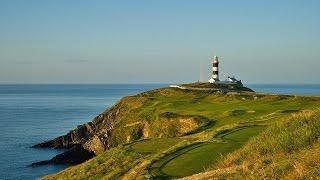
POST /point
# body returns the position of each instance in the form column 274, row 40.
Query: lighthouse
column 215, row 70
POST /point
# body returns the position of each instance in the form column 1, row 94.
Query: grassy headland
column 172, row 133
column 288, row 149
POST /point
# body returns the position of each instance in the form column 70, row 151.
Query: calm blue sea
column 30, row 114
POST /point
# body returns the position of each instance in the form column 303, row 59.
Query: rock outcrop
column 86, row 140
column 76, row 154
column 123, row 123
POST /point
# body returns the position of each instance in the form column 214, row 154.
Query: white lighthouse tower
column 215, row 70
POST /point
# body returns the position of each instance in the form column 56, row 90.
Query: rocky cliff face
column 132, row 118
column 89, row 139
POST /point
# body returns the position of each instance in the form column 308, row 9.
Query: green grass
column 154, row 145
column 218, row 86
column 111, row 164
column 286, row 150
column 243, row 135
column 197, row 158
column 234, row 118
column 155, row 168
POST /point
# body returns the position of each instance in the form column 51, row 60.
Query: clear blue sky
column 163, row 41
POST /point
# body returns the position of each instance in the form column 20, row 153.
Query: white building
column 215, row 75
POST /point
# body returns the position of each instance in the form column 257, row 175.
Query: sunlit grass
column 287, row 149
column 153, row 125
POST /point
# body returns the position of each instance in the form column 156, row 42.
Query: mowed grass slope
column 177, row 133
column 286, row 150
column 201, row 156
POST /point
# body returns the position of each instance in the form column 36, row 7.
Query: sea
column 30, row 114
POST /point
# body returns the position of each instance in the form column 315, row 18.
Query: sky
column 158, row 41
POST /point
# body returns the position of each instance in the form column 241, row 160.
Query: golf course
column 173, row 133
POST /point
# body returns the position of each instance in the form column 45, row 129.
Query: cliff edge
column 99, row 135
column 174, row 133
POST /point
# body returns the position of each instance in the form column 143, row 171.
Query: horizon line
column 148, row 83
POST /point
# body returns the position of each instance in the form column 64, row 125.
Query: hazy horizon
column 121, row 42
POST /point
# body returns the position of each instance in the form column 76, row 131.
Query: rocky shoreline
column 84, row 142
column 75, row 155
column 95, row 137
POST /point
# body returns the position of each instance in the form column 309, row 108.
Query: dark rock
column 86, row 140
column 76, row 154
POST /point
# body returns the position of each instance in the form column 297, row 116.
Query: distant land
column 215, row 131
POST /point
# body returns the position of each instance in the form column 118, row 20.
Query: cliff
column 95, row 137
column 88, row 139
column 173, row 133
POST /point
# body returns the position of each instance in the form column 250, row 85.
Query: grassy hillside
column 288, row 149
column 172, row 133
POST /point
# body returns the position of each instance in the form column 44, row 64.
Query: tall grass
column 286, row 149
column 274, row 152
column 301, row 130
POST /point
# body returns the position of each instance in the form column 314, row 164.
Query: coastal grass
column 155, row 125
column 286, row 150
column 199, row 157
column 243, row 135
column 150, row 146
column 196, row 160
column 109, row 165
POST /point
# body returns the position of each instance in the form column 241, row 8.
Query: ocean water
column 290, row 89
column 30, row 114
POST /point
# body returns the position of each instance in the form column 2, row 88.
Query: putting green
column 243, row 135
column 155, row 145
column 197, row 158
